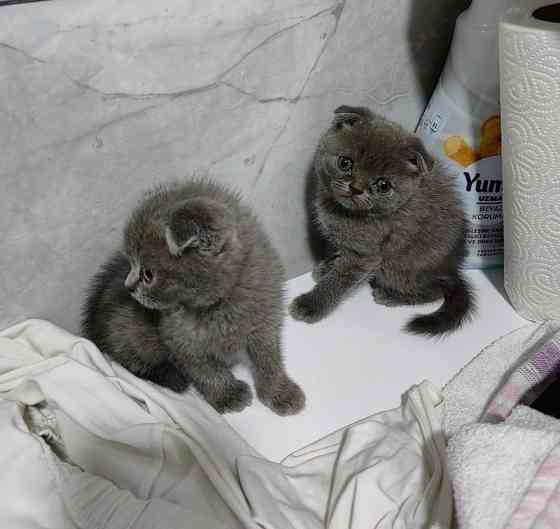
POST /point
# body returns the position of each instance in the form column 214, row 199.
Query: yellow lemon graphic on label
column 491, row 137
column 456, row 148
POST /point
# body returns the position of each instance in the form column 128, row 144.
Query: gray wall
column 99, row 100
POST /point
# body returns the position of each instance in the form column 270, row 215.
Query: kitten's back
column 158, row 201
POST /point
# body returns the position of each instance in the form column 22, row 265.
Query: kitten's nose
column 355, row 190
column 131, row 281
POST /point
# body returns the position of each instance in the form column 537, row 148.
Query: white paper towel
column 530, row 106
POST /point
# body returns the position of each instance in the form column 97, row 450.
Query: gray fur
column 205, row 284
column 390, row 215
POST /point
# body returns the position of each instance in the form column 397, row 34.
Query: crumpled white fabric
column 104, row 449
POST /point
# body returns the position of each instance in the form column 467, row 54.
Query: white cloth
column 505, row 461
column 506, row 474
column 133, row 455
column 468, row 394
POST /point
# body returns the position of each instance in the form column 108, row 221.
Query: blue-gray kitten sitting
column 390, row 215
column 196, row 283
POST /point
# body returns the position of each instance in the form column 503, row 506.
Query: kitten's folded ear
column 418, row 157
column 199, row 223
column 347, row 116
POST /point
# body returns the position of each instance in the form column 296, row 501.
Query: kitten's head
column 370, row 164
column 185, row 253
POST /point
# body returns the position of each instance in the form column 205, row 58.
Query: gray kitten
column 391, row 216
column 197, row 283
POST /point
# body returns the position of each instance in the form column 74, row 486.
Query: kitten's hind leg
column 134, row 342
column 167, row 375
column 386, row 297
column 274, row 388
column 163, row 374
column 393, row 298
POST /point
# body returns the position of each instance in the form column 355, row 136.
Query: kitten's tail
column 458, row 307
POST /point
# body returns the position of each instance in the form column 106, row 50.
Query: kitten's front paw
column 320, row 270
column 235, row 397
column 285, row 398
column 305, row 308
column 323, row 267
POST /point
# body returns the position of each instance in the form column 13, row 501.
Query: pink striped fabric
column 526, row 382
column 540, row 507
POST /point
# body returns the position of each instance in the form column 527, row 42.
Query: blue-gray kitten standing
column 390, row 215
column 196, row 284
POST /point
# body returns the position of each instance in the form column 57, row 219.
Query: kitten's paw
column 382, row 298
column 285, row 398
column 235, row 397
column 305, row 308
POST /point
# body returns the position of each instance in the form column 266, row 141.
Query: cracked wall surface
column 100, row 100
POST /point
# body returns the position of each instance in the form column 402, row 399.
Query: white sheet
column 143, row 457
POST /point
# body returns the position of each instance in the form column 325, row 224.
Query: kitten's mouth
column 349, row 201
column 145, row 302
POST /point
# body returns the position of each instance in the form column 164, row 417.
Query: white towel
column 504, row 475
column 492, row 467
column 468, row 394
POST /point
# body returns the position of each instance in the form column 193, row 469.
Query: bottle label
column 471, row 150
column 482, row 194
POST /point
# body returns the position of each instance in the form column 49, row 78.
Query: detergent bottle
column 461, row 127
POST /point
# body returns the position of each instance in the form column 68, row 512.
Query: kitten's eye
column 344, row 164
column 382, row 186
column 147, row 276
column 413, row 161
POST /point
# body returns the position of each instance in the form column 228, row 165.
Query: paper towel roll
column 530, row 106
